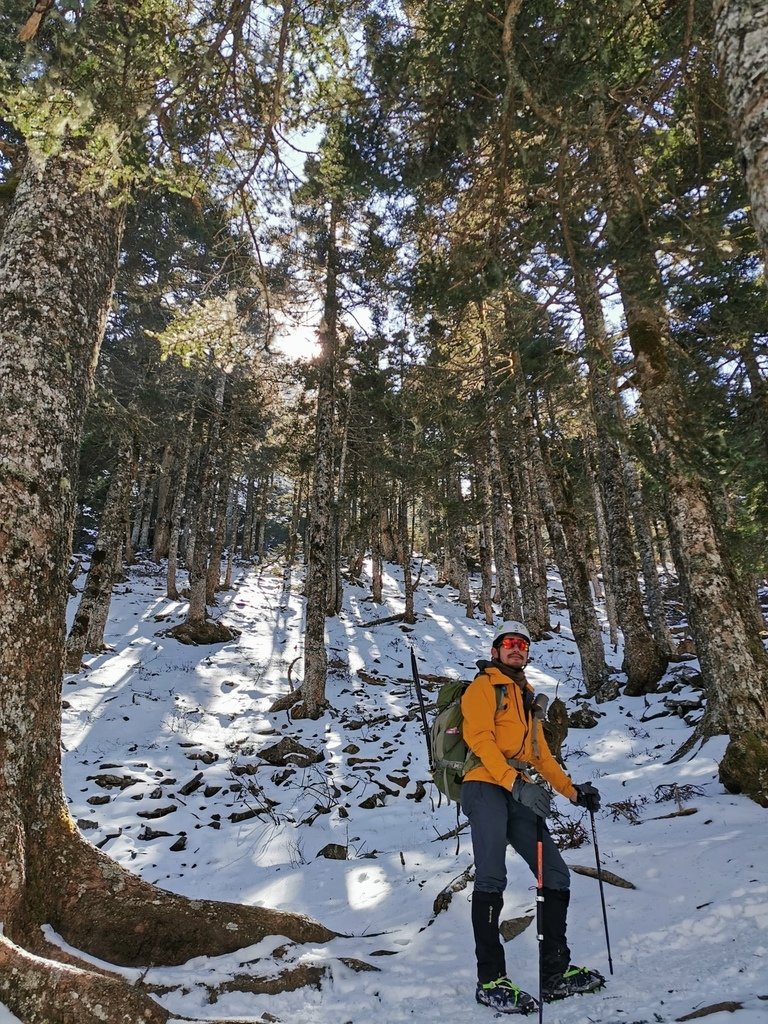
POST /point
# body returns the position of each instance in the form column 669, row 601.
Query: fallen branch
column 380, row 622
column 607, row 876
column 705, row 1011
column 444, row 897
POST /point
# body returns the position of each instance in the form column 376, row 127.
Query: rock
column 377, row 800
column 246, row 815
column 114, row 781
column 207, row 757
column 290, row 751
column 333, row 851
column 194, row 783
column 179, row 845
column 204, row 633
column 584, row 717
column 514, row 926
column 357, row 965
column 418, row 794
column 147, row 834
column 157, row 812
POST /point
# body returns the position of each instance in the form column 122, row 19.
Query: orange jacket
column 495, row 736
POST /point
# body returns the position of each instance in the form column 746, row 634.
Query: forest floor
column 170, row 766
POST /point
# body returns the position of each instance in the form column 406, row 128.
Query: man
column 503, row 804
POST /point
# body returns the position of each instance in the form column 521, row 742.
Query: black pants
column 496, row 820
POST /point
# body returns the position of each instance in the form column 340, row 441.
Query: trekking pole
column 420, row 695
column 602, row 894
column 540, row 908
column 539, row 713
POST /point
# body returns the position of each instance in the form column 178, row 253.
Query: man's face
column 512, row 651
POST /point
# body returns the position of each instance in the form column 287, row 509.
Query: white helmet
column 518, row 628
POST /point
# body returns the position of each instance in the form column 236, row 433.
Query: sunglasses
column 511, row 643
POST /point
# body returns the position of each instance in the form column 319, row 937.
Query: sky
column 691, row 933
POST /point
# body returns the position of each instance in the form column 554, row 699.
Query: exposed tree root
column 287, row 701
column 102, row 908
column 42, row 991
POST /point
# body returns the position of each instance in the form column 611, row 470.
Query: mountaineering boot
column 505, row 997
column 555, row 954
column 560, row 979
column 575, row 981
column 486, row 907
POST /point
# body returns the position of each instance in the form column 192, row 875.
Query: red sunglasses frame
column 510, row 643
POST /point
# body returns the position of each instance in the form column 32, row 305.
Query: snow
column 694, row 931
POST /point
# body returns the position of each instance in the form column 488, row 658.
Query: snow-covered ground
column 162, row 769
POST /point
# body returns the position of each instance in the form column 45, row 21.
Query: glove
column 587, row 796
column 531, row 795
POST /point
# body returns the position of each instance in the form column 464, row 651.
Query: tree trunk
column 584, row 624
column 177, row 508
column 58, row 260
column 741, row 46
column 409, row 615
column 733, row 661
column 603, row 545
column 322, row 497
column 87, row 632
column 246, row 549
column 644, row 661
column 163, row 517
column 485, row 540
column 653, row 595
column 456, row 543
column 377, row 558
column 506, row 589
column 141, row 501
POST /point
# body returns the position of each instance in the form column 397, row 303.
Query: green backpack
column 451, row 757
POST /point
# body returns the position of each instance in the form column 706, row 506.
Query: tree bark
column 161, row 536
column 177, row 508
column 569, row 557
column 87, row 630
column 485, row 539
column 644, row 661
column 506, row 588
column 58, row 259
column 456, row 542
column 733, row 661
column 322, row 496
column 741, row 47
column 653, row 595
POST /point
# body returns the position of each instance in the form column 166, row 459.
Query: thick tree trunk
column 741, row 45
column 87, row 632
column 57, row 265
column 733, row 661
